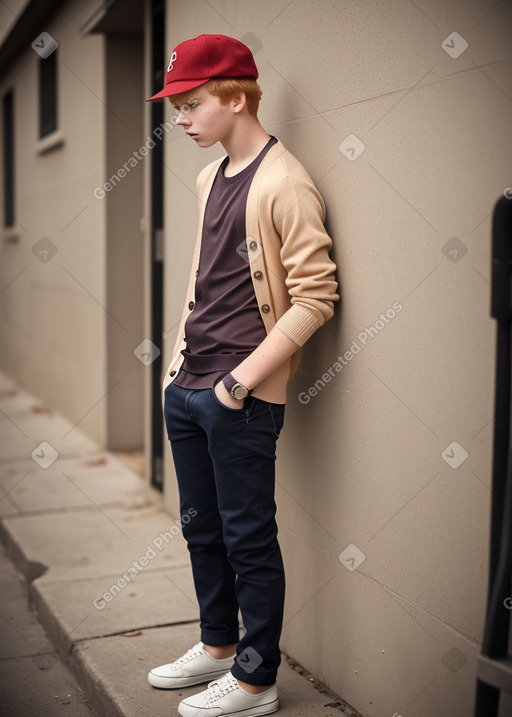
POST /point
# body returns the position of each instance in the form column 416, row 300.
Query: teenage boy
column 261, row 283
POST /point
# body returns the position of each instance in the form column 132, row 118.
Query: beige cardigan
column 288, row 251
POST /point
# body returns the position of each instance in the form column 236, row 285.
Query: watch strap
column 229, row 381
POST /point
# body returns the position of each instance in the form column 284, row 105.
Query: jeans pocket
column 226, row 408
column 276, row 410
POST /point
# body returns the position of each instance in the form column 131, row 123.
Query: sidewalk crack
column 121, row 633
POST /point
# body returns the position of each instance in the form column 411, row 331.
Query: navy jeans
column 225, row 465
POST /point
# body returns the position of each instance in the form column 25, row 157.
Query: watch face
column 238, row 391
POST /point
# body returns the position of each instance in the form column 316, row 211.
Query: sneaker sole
column 174, row 683
column 269, row 708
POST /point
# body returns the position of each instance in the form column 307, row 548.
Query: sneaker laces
column 195, row 651
column 220, row 688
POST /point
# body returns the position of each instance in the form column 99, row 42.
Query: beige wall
column 9, row 15
column 69, row 325
column 361, row 463
column 125, row 246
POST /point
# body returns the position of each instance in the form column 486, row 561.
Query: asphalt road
column 34, row 681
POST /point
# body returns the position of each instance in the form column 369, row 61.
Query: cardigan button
column 258, row 275
column 253, row 245
column 191, row 305
column 265, row 308
column 172, row 373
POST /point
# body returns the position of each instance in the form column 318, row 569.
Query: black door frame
column 157, row 253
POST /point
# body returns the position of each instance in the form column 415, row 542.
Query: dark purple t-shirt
column 225, row 325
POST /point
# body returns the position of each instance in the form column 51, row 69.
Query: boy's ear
column 239, row 102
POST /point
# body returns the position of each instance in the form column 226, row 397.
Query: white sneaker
column 225, row 698
column 196, row 666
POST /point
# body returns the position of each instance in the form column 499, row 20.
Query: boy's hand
column 226, row 398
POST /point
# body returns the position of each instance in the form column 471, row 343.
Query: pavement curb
column 30, row 569
column 101, row 698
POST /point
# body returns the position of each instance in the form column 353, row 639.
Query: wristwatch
column 235, row 389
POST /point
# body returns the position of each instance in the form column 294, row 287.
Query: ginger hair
column 226, row 89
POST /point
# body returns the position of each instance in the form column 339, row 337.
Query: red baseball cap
column 194, row 62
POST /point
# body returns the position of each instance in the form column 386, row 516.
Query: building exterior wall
column 9, row 15
column 383, row 474
column 53, row 332
column 71, row 320
column 124, row 241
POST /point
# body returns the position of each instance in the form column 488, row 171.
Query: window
column 8, row 152
column 48, row 95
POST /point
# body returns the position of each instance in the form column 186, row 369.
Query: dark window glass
column 48, row 94
column 8, row 152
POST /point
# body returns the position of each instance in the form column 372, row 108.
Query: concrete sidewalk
column 106, row 566
column 33, row 679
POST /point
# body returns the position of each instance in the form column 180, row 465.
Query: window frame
column 48, row 95
column 9, row 169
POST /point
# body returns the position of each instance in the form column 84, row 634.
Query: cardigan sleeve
column 298, row 215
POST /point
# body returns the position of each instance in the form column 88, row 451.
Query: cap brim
column 176, row 88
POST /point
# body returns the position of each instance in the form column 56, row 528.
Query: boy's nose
column 183, row 119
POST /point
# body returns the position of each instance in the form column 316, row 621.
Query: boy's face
column 204, row 118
